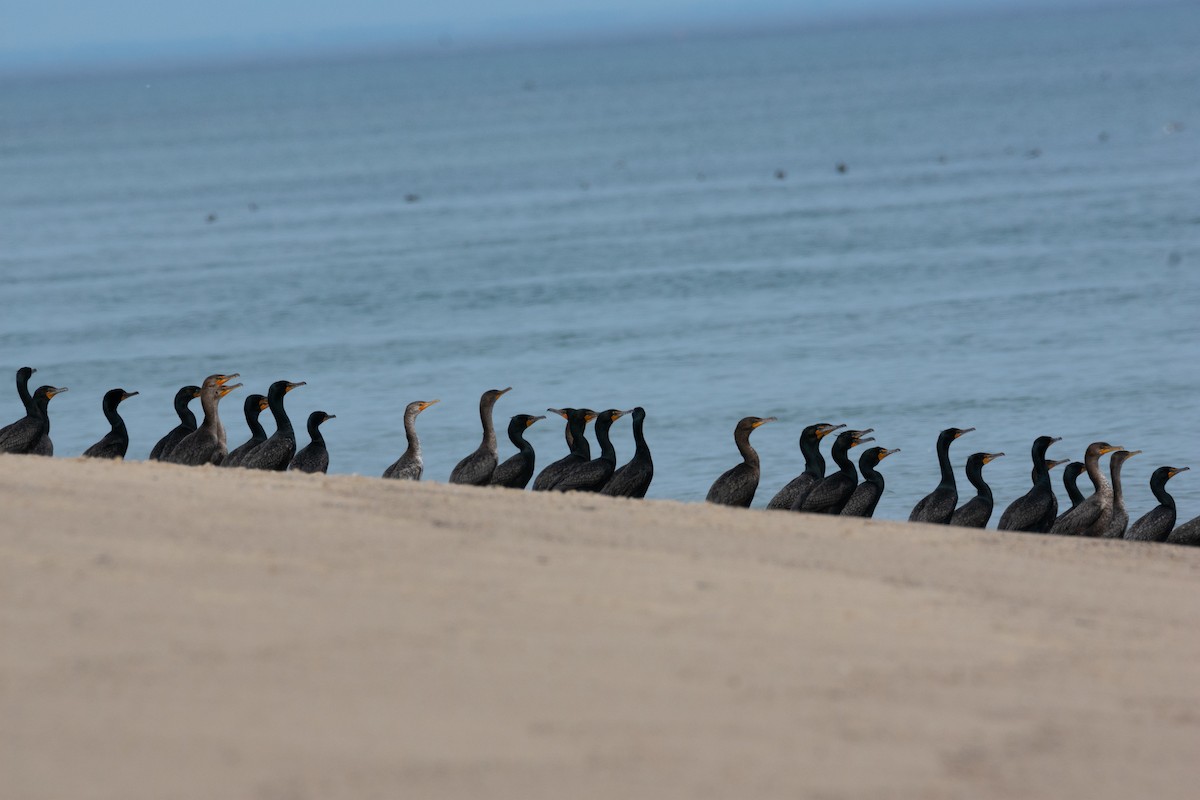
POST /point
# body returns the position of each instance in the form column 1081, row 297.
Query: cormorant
column 1186, row 534
column 313, row 457
column 866, row 495
column 633, row 479
column 1091, row 517
column 1071, row 475
column 1034, row 511
column 832, row 494
column 736, row 487
column 581, row 452
column 793, row 493
column 1156, row 525
column 253, row 407
column 515, row 471
column 592, row 475
column 1119, row 522
column 277, row 451
column 206, row 444
column 976, row 512
column 477, row 468
column 409, row 466
column 187, row 424
column 116, row 442
column 24, row 435
column 44, row 447
column 938, row 506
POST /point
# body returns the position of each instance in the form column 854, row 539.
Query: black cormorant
column 1091, row 517
column 866, row 495
column 938, row 506
column 44, row 447
column 1156, row 525
column 976, row 512
column 515, row 471
column 477, row 468
column 592, row 475
column 814, row 467
column 581, row 452
column 633, row 479
column 115, row 443
column 1071, row 475
column 1186, row 534
column 832, row 493
column 1119, row 522
column 736, row 487
column 1034, row 511
column 314, row 456
column 206, row 444
column 187, row 424
column 409, row 466
column 277, row 451
column 24, row 435
column 253, row 407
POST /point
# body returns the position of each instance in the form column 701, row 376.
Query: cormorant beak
column 262, row 404
column 532, row 420
column 1175, row 471
column 53, row 392
column 1054, row 464
column 195, row 394
column 962, row 431
column 763, row 421
column 224, row 379
column 990, row 457
column 1110, row 448
column 858, row 441
column 630, row 411
column 428, row 403
column 885, row 453
column 825, row 430
column 1054, row 439
column 616, row 415
column 224, row 390
column 1132, row 453
column 588, row 418
column 127, row 395
column 291, row 386
column 558, row 411
column 503, row 391
column 330, row 416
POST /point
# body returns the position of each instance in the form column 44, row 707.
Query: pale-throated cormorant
column 206, row 444
column 1034, row 511
column 1119, row 522
column 633, row 479
column 976, row 512
column 409, row 466
column 253, row 407
column 44, row 447
column 1091, row 517
column 592, row 475
column 1186, row 534
column 1156, row 525
column 866, row 495
column 581, row 452
column 187, row 424
column 814, row 467
column 1071, row 474
column 314, row 456
column 833, row 491
column 115, row 443
column 736, row 487
column 24, row 435
column 938, row 506
column 515, row 471
column 477, row 468
column 277, row 451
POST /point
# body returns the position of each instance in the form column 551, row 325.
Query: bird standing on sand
column 1034, row 511
column 409, row 466
column 580, row 451
column 280, row 447
column 1186, row 534
column 516, row 470
column 1092, row 516
column 44, row 447
column 477, row 468
column 25, row 435
column 253, row 407
column 206, row 444
column 831, row 495
column 792, row 494
column 591, row 476
column 1071, row 474
column 313, row 457
column 1119, row 522
column 866, row 495
column 938, row 506
column 736, row 486
column 1156, row 524
column 633, row 479
column 976, row 512
column 187, row 424
column 115, row 443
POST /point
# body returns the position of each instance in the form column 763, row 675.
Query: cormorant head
column 1041, row 444
column 254, row 405
column 1097, row 449
column 1073, row 470
column 218, row 379
column 25, row 373
column 950, row 434
column 44, row 394
column 638, row 413
column 417, row 406
column 855, row 438
column 588, row 415
column 492, row 395
column 280, row 388
column 1119, row 457
column 522, row 421
column 317, row 417
column 816, row 433
column 1167, row 473
column 873, row 455
column 1051, row 464
column 747, row 424
column 113, row 397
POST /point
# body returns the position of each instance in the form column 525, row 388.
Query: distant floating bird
column 834, row 491
column 410, row 466
column 313, row 457
column 1036, row 510
column 206, row 444
column 1156, row 525
column 253, row 407
column 976, row 512
column 115, row 443
column 841, row 167
column 1119, row 522
column 814, row 467
column 938, row 506
column 866, row 495
column 477, row 468
column 633, row 479
column 280, row 447
column 516, row 471
column 592, row 475
column 1092, row 516
column 736, row 487
column 24, row 435
column 187, row 424
column 1071, row 475
column 580, row 451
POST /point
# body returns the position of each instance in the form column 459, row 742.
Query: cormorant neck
column 1091, row 463
column 256, row 429
column 489, row 431
column 1114, row 467
column 870, row 474
column 814, row 462
column 114, row 418
column 975, row 476
column 23, row 391
column 1159, row 488
column 516, row 435
column 841, row 457
column 607, row 451
column 314, row 432
column 579, row 443
column 943, row 454
column 282, row 422
column 749, row 454
column 1072, row 489
column 185, row 414
column 639, row 438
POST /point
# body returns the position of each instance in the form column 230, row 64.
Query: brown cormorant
column 206, row 444
column 736, row 487
column 409, row 466
column 477, row 468
column 832, row 493
column 976, row 512
column 1156, row 525
column 1091, row 517
column 793, row 493
column 314, row 456
column 1186, row 534
column 1119, row 522
column 633, row 479
column 277, row 451
column 115, row 443
column 515, row 471
column 866, row 495
column 938, row 506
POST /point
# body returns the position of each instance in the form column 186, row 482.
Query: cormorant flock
column 841, row 492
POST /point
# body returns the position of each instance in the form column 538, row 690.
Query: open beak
column 224, row 390
column 224, row 379
column 825, row 430
column 428, row 403
column 262, row 404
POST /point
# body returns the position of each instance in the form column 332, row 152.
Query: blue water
column 1014, row 245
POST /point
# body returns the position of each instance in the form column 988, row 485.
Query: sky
column 47, row 34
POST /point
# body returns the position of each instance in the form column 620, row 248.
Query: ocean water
column 1014, row 244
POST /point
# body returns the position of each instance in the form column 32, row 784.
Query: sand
column 180, row 633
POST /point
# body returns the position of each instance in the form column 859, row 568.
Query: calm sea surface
column 1014, row 244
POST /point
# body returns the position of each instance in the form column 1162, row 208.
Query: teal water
column 1014, row 245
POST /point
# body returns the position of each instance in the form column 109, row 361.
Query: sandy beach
column 200, row 633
